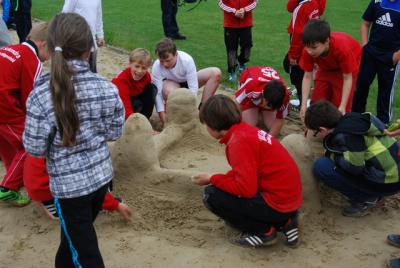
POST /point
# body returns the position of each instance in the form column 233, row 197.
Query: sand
column 171, row 228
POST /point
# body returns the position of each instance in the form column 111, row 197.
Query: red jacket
column 260, row 164
column 231, row 6
column 302, row 13
column 127, row 88
column 20, row 67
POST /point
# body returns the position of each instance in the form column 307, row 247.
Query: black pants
column 93, row 61
column 79, row 214
column 372, row 64
column 296, row 75
column 250, row 215
column 169, row 9
column 233, row 38
column 23, row 19
column 144, row 102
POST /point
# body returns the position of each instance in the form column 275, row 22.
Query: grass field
column 130, row 24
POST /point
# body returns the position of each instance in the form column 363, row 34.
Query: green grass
column 130, row 24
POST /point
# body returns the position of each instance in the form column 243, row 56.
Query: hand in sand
column 124, row 211
column 201, row 179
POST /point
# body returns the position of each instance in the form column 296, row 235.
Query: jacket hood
column 360, row 124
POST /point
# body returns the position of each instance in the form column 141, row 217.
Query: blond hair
column 141, row 56
column 39, row 32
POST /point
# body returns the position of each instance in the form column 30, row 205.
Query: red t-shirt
column 128, row 87
column 344, row 56
column 259, row 164
column 20, row 67
column 252, row 83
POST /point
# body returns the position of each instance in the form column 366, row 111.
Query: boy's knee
column 208, row 194
column 216, row 74
column 321, row 167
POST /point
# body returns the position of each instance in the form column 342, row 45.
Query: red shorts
column 329, row 86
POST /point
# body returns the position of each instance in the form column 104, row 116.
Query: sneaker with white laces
column 258, row 240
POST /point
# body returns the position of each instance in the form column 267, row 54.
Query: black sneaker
column 177, row 37
column 292, row 232
column 361, row 209
column 259, row 240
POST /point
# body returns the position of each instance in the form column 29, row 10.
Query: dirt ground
column 171, row 228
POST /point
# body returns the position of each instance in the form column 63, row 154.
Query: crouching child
column 261, row 194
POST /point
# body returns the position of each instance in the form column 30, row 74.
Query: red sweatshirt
column 231, row 6
column 260, row 164
column 20, row 67
column 127, row 88
column 302, row 13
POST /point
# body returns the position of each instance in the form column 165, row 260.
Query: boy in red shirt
column 134, row 84
column 337, row 56
column 238, row 21
column 262, row 90
column 302, row 12
column 20, row 65
column 262, row 193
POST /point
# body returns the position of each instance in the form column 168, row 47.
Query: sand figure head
column 135, row 150
column 300, row 149
column 182, row 108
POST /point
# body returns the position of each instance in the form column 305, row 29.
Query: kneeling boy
column 262, row 90
column 262, row 193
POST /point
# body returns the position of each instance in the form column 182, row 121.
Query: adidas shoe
column 13, row 197
column 292, row 232
column 362, row 209
column 394, row 240
column 232, row 77
column 242, row 66
column 252, row 240
column 393, row 263
column 50, row 209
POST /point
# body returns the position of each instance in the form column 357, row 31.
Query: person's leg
column 23, row 19
column 296, row 78
column 79, row 245
column 14, row 159
column 250, row 116
column 168, row 87
column 268, row 118
column 231, row 38
column 387, row 82
column 210, row 78
column 144, row 102
column 324, row 169
column 251, row 215
column 246, row 43
column 93, row 61
column 366, row 76
column 169, row 9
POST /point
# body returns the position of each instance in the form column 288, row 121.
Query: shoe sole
column 266, row 244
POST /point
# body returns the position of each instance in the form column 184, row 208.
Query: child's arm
column 157, row 81
column 123, row 91
column 276, row 126
column 69, row 6
column 251, row 6
column 365, row 25
column 306, row 87
column 225, row 7
column 99, row 27
column 347, row 84
column 111, row 204
column 191, row 77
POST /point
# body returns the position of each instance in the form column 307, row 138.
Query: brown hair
column 220, row 113
column 164, row 47
column 141, row 56
column 69, row 37
column 38, row 32
column 315, row 31
column 322, row 114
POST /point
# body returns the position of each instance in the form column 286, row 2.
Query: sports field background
column 137, row 23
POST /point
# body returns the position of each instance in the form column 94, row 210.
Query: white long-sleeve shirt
column 183, row 71
column 91, row 11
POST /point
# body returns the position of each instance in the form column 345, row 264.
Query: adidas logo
column 385, row 20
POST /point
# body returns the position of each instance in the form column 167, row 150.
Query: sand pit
column 170, row 226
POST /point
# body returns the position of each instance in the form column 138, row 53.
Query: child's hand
column 201, row 179
column 100, row 42
column 125, row 211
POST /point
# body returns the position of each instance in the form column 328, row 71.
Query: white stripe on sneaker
column 292, row 239
column 291, row 231
column 248, row 239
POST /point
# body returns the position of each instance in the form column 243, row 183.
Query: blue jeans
column 324, row 169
